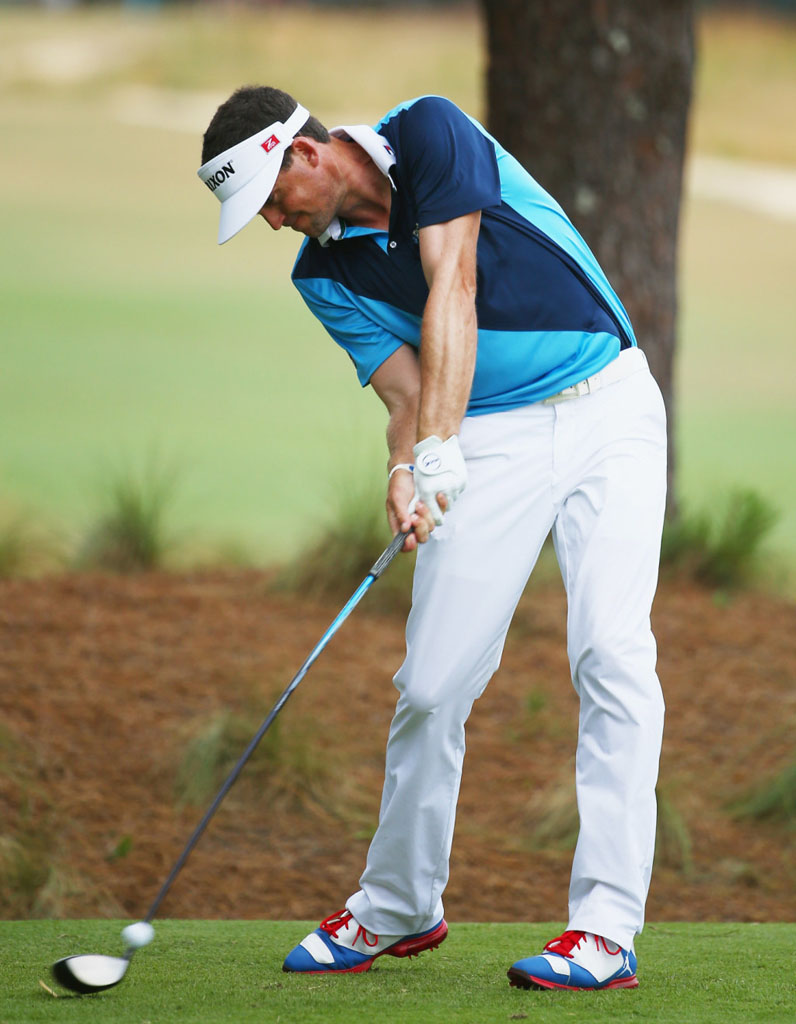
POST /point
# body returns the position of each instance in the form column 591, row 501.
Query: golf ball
column 139, row 934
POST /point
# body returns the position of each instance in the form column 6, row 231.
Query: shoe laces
column 569, row 941
column 335, row 922
column 565, row 943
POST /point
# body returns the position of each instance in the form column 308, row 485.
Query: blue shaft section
column 345, row 611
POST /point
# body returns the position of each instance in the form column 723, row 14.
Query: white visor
column 243, row 176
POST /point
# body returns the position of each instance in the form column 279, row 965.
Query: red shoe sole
column 416, row 945
column 517, row 979
column 406, row 947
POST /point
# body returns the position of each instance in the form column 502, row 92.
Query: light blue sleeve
column 353, row 322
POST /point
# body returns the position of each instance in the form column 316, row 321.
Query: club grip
column 387, row 555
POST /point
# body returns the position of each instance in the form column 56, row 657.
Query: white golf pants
column 592, row 469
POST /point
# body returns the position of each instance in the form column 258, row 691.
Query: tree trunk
column 592, row 96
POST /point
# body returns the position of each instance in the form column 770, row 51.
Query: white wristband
column 401, row 465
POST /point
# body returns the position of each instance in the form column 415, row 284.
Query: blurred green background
column 130, row 339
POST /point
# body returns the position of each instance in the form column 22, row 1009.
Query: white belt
column 628, row 362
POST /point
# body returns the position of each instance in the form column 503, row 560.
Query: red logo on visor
column 269, row 143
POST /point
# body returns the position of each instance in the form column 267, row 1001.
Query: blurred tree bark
column 592, row 96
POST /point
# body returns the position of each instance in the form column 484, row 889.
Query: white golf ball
column 139, row 934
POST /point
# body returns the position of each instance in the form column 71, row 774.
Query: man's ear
column 306, row 149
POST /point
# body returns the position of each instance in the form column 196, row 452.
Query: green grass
column 125, row 328
column 230, row 971
column 142, row 335
column 736, row 424
column 16, row 544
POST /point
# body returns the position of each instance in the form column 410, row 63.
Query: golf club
column 86, row 973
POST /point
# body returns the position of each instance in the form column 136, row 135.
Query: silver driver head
column 90, row 972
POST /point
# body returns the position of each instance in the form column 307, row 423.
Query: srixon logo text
column 220, row 176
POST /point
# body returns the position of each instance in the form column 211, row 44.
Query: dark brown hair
column 247, row 111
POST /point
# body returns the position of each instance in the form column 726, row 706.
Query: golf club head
column 90, row 972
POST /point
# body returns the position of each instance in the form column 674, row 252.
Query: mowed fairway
column 214, row 972
column 130, row 336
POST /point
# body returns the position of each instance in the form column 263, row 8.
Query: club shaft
column 379, row 566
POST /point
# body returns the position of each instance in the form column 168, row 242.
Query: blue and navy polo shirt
column 547, row 316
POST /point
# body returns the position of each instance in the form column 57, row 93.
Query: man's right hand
column 420, row 520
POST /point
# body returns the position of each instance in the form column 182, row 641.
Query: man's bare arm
column 449, row 331
column 429, row 397
column 397, row 383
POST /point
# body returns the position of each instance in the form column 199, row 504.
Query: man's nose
column 274, row 218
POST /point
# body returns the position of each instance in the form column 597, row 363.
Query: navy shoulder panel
column 361, row 265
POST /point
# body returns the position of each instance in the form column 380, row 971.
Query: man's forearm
column 402, row 433
column 449, row 332
column 447, row 360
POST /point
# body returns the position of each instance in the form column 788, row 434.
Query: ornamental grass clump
column 131, row 532
column 723, row 547
column 343, row 550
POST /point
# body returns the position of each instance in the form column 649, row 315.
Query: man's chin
column 314, row 230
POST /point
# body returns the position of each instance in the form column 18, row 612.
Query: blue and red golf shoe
column 577, row 961
column 340, row 945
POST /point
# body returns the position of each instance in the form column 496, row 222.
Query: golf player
column 518, row 403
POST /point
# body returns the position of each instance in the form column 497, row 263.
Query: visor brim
column 244, row 205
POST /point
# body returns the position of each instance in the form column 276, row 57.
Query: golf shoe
column 577, row 960
column 340, row 945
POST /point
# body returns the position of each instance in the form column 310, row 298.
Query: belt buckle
column 583, row 387
column 574, row 391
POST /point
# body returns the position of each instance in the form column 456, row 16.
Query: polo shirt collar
column 379, row 151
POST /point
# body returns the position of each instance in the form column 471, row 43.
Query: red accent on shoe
column 519, row 980
column 611, row 952
column 411, row 945
column 565, row 943
column 332, row 925
column 414, row 945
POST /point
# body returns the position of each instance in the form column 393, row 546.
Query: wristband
column 401, row 465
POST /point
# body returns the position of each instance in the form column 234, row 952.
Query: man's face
column 304, row 198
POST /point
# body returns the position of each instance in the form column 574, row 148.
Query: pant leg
column 607, row 537
column 468, row 580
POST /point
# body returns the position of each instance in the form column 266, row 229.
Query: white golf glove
column 439, row 468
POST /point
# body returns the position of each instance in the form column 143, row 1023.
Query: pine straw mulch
column 103, row 681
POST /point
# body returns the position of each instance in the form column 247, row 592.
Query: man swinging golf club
column 519, row 403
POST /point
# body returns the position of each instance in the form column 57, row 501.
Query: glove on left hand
column 439, row 468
